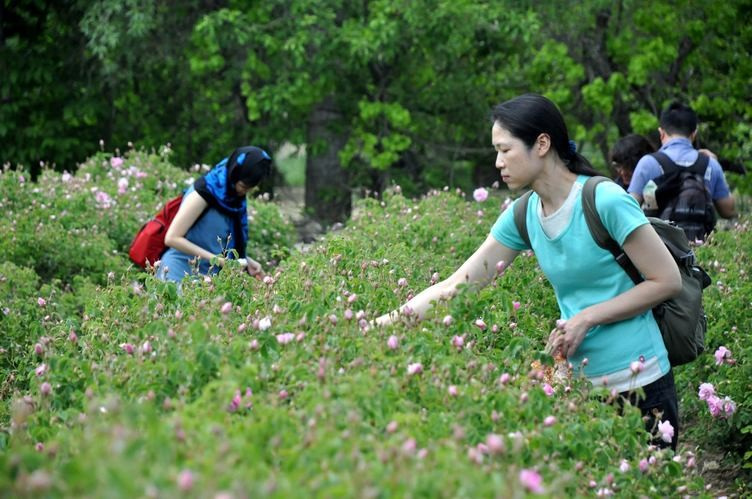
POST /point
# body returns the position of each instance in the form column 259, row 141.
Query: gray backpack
column 681, row 319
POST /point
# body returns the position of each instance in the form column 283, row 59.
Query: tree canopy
column 377, row 91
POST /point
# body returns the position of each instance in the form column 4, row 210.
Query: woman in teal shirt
column 606, row 317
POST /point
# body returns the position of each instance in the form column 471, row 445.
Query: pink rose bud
column 146, row 347
column 38, row 349
column 452, row 390
column 254, row 344
column 45, row 389
column 409, row 446
column 185, row 480
column 505, row 378
column 41, row 301
column 516, row 305
column 360, row 314
column 393, row 342
column 414, row 368
column 127, row 348
column 402, row 282
column 549, row 421
column 349, row 314
column 226, row 307
column 178, row 314
column 241, row 327
column 643, row 465
column 501, row 266
column 636, row 367
column 72, row 337
column 391, row 427
column 494, row 443
column 352, row 298
column 333, row 319
column 480, row 324
column 458, row 342
column 447, row 320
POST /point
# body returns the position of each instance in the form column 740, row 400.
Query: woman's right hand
column 254, row 269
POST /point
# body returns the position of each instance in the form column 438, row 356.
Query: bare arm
column 479, row 269
column 192, row 208
column 662, row 281
column 725, row 207
column 637, row 196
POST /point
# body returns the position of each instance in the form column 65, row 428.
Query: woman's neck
column 553, row 186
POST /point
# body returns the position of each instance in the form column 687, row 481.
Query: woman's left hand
column 566, row 338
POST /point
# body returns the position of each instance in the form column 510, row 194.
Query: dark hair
column 249, row 164
column 528, row 116
column 629, row 149
column 679, row 119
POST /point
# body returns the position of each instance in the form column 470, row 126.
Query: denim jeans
column 659, row 403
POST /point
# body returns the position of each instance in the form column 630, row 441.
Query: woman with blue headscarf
column 213, row 217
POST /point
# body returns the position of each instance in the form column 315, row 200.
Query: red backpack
column 149, row 244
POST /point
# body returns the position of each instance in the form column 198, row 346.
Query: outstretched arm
column 479, row 269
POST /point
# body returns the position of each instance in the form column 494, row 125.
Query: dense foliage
column 116, row 385
column 375, row 90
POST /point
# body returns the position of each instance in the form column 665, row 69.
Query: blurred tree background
column 374, row 92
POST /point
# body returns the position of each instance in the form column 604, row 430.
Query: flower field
column 114, row 385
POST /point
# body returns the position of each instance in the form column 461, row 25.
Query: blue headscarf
column 248, row 164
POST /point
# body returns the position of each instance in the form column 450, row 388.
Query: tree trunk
column 327, row 190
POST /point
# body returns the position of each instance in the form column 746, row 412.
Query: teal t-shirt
column 583, row 274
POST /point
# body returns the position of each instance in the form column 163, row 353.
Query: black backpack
column 681, row 319
column 683, row 198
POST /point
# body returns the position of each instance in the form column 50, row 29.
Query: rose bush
column 250, row 387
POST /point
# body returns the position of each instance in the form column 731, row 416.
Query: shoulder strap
column 700, row 164
column 520, row 217
column 667, row 164
column 598, row 231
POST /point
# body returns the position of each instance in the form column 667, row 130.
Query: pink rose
column 706, row 391
column 480, row 194
column 532, row 481
column 666, row 431
column 722, row 355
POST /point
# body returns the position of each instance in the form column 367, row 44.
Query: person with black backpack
column 679, row 184
column 213, row 218
column 606, row 328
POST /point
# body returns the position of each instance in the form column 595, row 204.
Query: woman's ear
column 543, row 144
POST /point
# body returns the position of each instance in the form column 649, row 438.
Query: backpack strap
column 667, row 164
column 598, row 231
column 520, row 217
column 700, row 164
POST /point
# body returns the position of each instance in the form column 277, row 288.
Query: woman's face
column 241, row 188
column 514, row 159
